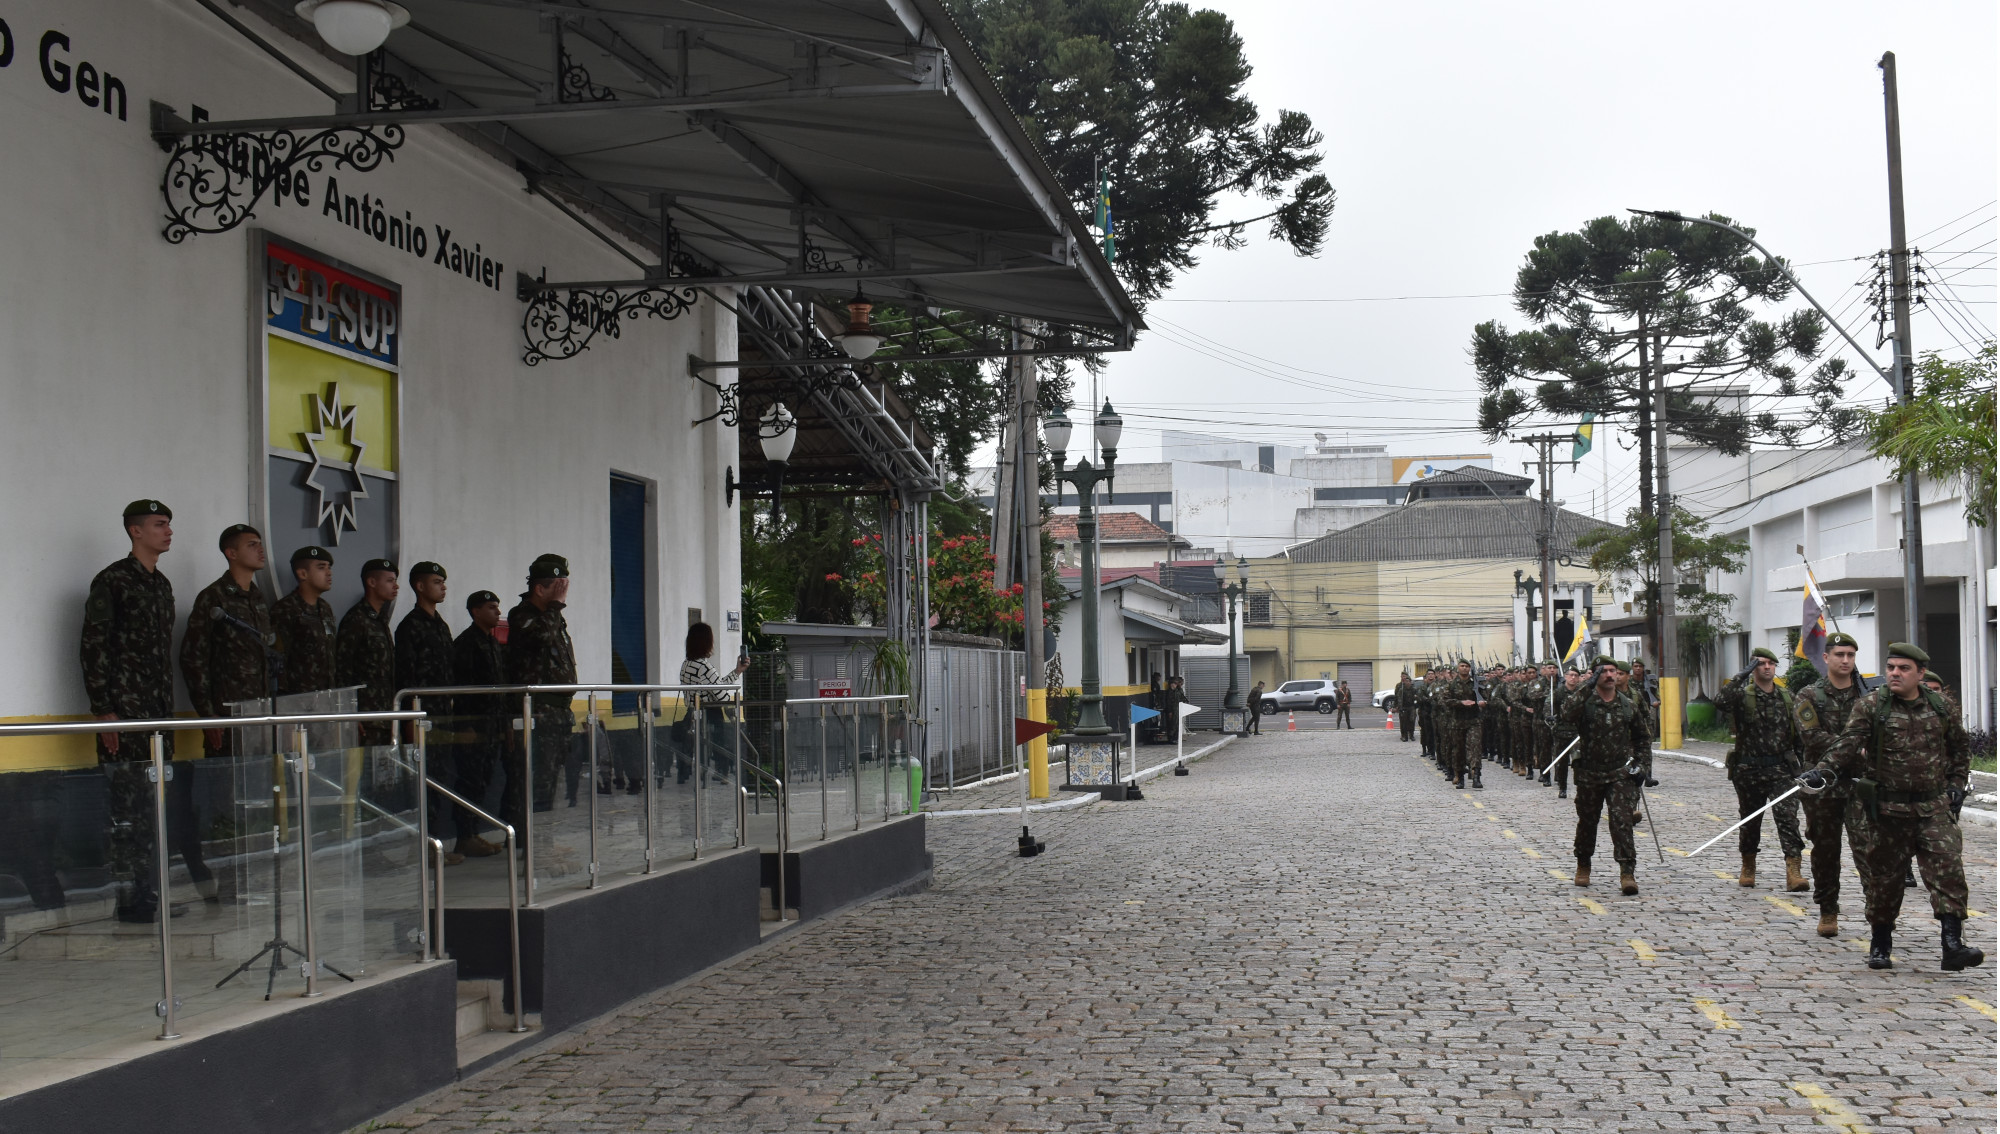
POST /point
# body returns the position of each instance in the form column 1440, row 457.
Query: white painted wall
column 127, row 371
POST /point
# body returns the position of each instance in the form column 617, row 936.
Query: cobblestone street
column 1312, row 931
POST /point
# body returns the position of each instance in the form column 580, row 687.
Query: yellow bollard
column 1038, row 748
column 1670, row 713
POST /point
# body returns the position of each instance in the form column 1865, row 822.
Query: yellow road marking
column 1135, row 901
column 1509, row 834
column 1979, row 1006
column 1593, row 906
column 1492, row 818
column 1717, row 1016
column 1716, row 818
column 1788, row 907
column 1970, row 912
column 1677, row 803
column 1832, row 1111
column 1554, row 873
column 1724, row 875
column 1531, row 852
column 1479, row 805
column 1678, row 851
column 1645, row 951
column 1467, row 795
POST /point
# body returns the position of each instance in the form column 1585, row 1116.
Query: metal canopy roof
column 818, row 144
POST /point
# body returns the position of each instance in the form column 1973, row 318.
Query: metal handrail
column 840, row 700
column 513, row 898
column 784, row 823
column 161, row 770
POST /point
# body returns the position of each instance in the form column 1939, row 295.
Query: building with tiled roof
column 1127, row 539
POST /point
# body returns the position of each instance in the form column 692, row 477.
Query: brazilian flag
column 1584, row 431
column 1103, row 219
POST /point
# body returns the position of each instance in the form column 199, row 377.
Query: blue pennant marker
column 1141, row 713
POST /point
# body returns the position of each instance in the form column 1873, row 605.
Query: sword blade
column 1559, row 757
column 1768, row 805
column 1650, row 827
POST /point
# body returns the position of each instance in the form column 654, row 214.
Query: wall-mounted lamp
column 353, row 27
column 777, row 432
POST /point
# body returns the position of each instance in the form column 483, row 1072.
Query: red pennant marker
column 1026, row 730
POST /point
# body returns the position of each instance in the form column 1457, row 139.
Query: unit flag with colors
column 1812, row 626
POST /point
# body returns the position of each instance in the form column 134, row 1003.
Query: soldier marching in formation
column 1406, row 706
column 1763, row 763
column 1821, row 710
column 1613, row 754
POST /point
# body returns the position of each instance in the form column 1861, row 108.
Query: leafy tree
column 1946, row 431
column 1633, row 551
column 1624, row 304
column 1150, row 95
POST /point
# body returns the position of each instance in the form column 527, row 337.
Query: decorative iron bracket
column 213, row 182
column 557, row 328
column 727, row 405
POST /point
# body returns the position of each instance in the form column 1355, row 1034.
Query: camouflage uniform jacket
column 226, row 657
column 1766, row 734
column 477, row 659
column 539, row 652
column 1564, row 730
column 305, row 640
column 1612, row 735
column 1535, row 698
column 1922, row 752
column 364, row 654
column 1454, row 690
column 128, row 640
column 1821, row 712
column 1406, row 696
column 423, row 651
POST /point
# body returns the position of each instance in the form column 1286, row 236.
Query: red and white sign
column 836, row 687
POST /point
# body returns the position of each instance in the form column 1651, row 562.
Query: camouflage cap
column 548, row 566
column 426, row 568
column 1761, row 652
column 139, row 508
column 312, row 553
column 374, row 565
column 1847, row 640
column 1909, row 651
column 231, row 532
column 477, row 599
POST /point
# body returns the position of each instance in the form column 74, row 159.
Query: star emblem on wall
column 335, row 507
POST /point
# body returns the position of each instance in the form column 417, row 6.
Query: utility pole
column 1669, row 638
column 1029, row 509
column 1544, row 445
column 1899, row 267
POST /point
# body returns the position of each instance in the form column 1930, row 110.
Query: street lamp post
column 1234, row 718
column 1093, row 744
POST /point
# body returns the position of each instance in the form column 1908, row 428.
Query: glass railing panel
column 561, row 810
column 674, row 822
column 621, row 793
column 717, row 783
column 366, row 858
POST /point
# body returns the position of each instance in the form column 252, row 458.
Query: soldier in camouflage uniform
column 227, row 650
column 477, row 658
column 424, row 659
column 127, row 655
column 1562, row 731
column 1426, row 719
column 1528, row 694
column 539, row 652
column 1610, row 758
column 1908, row 757
column 1763, row 763
column 1547, row 700
column 364, row 652
column 1821, row 710
column 1459, row 700
column 303, row 622
column 1406, row 706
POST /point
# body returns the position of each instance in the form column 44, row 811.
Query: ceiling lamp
column 353, row 27
column 860, row 339
column 777, row 432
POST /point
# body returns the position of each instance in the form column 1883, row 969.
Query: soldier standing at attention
column 539, row 652
column 1547, row 701
column 127, row 655
column 1528, row 694
column 1764, row 762
column 1462, row 739
column 1406, row 706
column 303, row 621
column 364, row 652
column 1908, row 756
column 1821, row 710
column 1612, row 748
column 226, row 652
column 1563, row 731
column 1426, row 729
column 424, row 659
column 477, row 658
column 1343, row 706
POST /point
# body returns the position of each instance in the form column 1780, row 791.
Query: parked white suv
column 1293, row 695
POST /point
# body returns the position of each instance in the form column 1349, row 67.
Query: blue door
column 630, row 590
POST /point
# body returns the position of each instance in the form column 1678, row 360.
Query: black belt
column 1882, row 795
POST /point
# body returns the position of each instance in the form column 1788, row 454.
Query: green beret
column 1931, row 675
column 1847, row 640
column 374, row 565
column 477, row 599
column 139, row 508
column 425, row 568
column 312, row 554
column 1623, row 667
column 231, row 532
column 1909, row 651
column 1603, row 659
column 1761, row 652
column 548, row 567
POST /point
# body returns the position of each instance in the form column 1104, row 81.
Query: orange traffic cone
column 1390, row 724
column 1291, row 722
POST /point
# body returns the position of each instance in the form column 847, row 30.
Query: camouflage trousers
column 1756, row 785
column 1426, row 733
column 1523, row 729
column 1558, row 743
column 1465, row 750
column 134, row 832
column 1883, row 848
column 1826, row 815
column 1544, row 736
column 1616, row 799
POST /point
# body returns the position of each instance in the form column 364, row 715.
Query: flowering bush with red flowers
column 962, row 594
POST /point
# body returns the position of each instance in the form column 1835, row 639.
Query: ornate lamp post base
column 1093, row 764
column 1236, row 722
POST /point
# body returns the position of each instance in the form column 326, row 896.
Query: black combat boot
column 1957, row 954
column 1545, row 780
column 1562, row 791
column 1475, row 781
column 1460, row 784
column 1878, row 947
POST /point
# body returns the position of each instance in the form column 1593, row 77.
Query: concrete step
column 478, row 1000
column 767, row 906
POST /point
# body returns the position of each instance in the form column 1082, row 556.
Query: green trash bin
column 1701, row 714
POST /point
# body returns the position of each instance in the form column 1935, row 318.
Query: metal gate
column 1360, row 678
column 1207, row 682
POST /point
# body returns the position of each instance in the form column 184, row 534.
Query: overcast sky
column 1455, row 134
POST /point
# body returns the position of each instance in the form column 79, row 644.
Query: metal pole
column 1033, row 634
column 169, row 1022
column 590, row 781
column 699, row 735
column 649, row 704
column 311, row 963
column 527, row 794
column 437, row 848
column 1670, row 654
column 424, row 840
column 854, row 757
column 822, row 771
column 742, row 721
column 1899, row 267
column 514, row 929
column 1090, row 707
column 882, row 751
